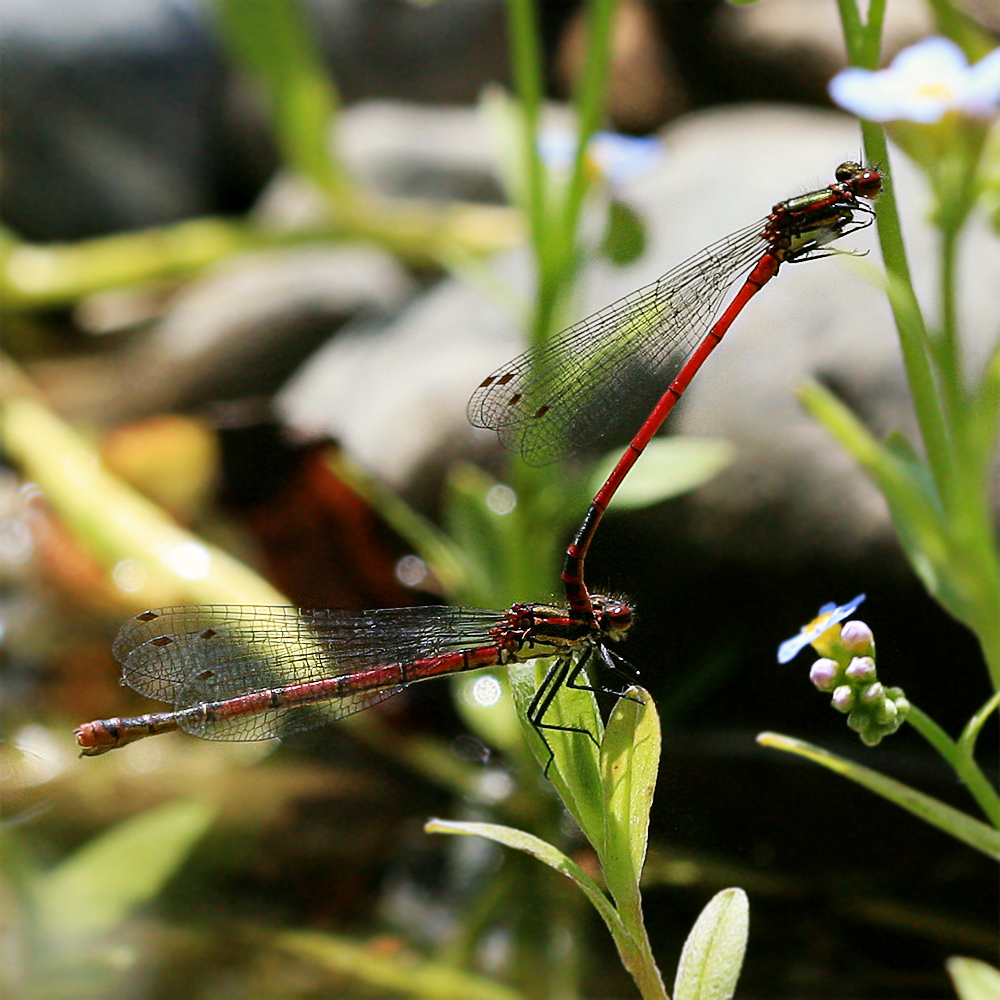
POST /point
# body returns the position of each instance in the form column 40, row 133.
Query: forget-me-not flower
column 922, row 84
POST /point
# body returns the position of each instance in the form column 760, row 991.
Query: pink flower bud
column 857, row 639
column 823, row 673
column 861, row 670
column 873, row 693
column 843, row 698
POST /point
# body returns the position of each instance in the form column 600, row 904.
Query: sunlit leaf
column 670, row 467
column 541, row 850
column 630, row 757
column 713, row 953
column 115, row 523
column 573, row 767
column 973, row 979
column 406, row 974
column 97, row 887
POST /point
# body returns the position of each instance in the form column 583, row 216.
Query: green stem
column 972, row 728
column 37, row 276
column 913, row 338
column 590, row 106
column 637, row 957
column 862, row 41
column 960, row 760
column 948, row 351
column 526, row 49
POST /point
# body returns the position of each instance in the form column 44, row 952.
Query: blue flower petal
column 829, row 615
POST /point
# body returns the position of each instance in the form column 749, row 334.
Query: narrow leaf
column 545, row 853
column 407, row 974
column 630, row 757
column 115, row 523
column 974, row 980
column 94, row 890
column 273, row 42
column 961, row 826
column 670, row 467
column 916, row 515
column 713, row 953
column 574, row 768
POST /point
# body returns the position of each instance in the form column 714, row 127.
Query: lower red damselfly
column 252, row 673
column 562, row 395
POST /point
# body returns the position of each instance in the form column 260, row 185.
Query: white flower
column 923, row 83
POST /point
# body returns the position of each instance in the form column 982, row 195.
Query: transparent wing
column 562, row 396
column 193, row 656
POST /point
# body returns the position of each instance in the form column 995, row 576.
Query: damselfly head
column 615, row 616
column 865, row 182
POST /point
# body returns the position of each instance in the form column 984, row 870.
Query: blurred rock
column 238, row 330
column 399, row 150
column 104, row 109
column 122, row 116
column 396, row 399
column 434, row 52
column 789, row 49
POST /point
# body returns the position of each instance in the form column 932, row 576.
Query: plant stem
column 960, row 760
column 913, row 339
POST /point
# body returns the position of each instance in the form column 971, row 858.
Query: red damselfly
column 251, row 673
column 562, row 395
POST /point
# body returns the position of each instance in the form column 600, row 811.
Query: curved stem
column 961, row 761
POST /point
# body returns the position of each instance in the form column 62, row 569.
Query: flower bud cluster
column 847, row 672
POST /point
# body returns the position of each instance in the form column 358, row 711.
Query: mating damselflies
column 250, row 673
column 561, row 396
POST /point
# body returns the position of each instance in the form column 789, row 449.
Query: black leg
column 545, row 695
column 615, row 664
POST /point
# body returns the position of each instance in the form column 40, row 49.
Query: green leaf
column 713, row 953
column 961, row 826
column 669, row 467
column 504, row 118
column 574, row 768
column 114, row 522
column 545, row 853
column 273, row 42
column 974, row 980
column 630, row 758
column 625, row 236
column 95, row 889
column 406, row 975
column 916, row 512
column 982, row 422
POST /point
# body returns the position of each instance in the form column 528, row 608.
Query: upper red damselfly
column 250, row 673
column 562, row 395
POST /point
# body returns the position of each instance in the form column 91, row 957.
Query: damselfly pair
column 249, row 673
